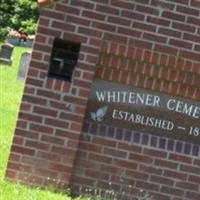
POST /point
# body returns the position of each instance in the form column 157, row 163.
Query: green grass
column 10, row 96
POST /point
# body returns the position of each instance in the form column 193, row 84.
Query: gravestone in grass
column 6, row 54
column 23, row 66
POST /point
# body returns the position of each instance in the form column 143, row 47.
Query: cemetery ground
column 10, row 96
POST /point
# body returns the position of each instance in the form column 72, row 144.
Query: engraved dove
column 99, row 114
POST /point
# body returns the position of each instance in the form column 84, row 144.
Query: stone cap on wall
column 43, row 3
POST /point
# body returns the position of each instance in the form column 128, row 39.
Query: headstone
column 6, row 54
column 23, row 66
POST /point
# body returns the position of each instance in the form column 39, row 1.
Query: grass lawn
column 10, row 96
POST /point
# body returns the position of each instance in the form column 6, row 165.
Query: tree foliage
column 6, row 13
column 20, row 15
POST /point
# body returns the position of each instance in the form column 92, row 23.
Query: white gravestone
column 23, row 66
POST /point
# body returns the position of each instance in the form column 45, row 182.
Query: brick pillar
column 52, row 111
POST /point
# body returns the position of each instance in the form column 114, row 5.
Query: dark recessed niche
column 64, row 58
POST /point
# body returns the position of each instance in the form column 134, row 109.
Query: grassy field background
column 11, row 91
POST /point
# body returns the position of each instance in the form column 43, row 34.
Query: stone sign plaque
column 146, row 111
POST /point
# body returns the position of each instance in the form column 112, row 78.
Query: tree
column 6, row 13
column 20, row 15
column 25, row 16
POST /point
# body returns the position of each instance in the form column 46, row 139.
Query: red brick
column 123, row 5
column 180, row 43
column 144, row 27
column 133, row 15
column 192, row 195
column 104, row 142
column 99, row 158
column 140, row 43
column 191, row 169
column 169, row 32
column 18, row 140
column 184, row 2
column 189, row 55
column 61, row 26
column 56, row 123
column 48, row 94
column 79, row 3
column 166, row 49
column 34, row 82
column 51, row 139
column 158, row 21
column 187, row 10
column 175, row 175
column 183, row 27
column 66, row 133
column 153, row 37
column 125, row 164
column 21, row 124
column 42, row 47
column 73, row 144
column 33, row 72
column 114, row 37
column 89, row 32
column 142, row 1
column 127, row 31
column 25, row 106
column 36, row 145
column 194, row 21
column 45, row 111
column 22, row 150
column 107, row 10
column 39, row 38
column 191, row 37
column 10, row 174
column 147, row 186
column 165, row 5
column 172, row 191
column 50, row 31
column 78, row 20
column 67, row 9
column 71, row 117
column 91, row 147
column 148, row 10
column 30, row 117
column 52, row 14
column 173, row 16
column 75, row 38
column 140, row 158
column 41, row 128
column 155, row 153
column 93, row 15
column 110, row 169
column 36, row 55
column 60, row 167
column 49, row 156
column 119, row 21
column 187, row 186
column 161, row 180
column 38, row 65
column 83, row 181
column 63, row 151
column 150, row 169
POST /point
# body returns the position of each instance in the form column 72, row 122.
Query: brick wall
column 151, row 44
column 128, row 161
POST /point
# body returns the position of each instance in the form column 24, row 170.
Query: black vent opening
column 64, row 58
